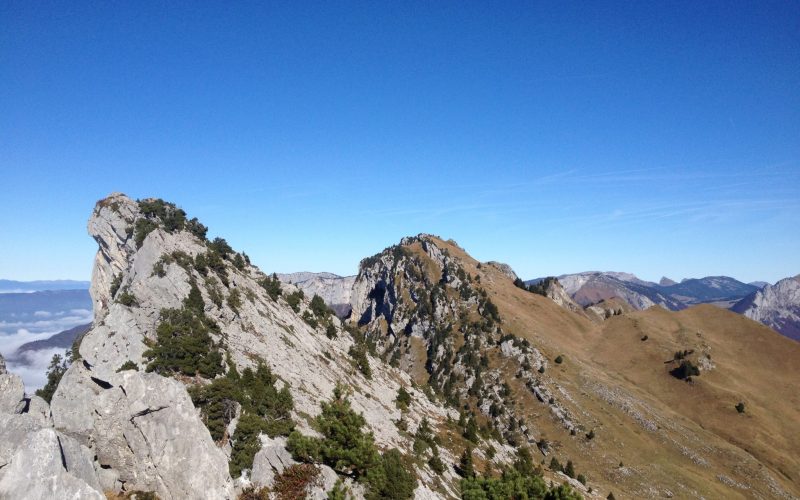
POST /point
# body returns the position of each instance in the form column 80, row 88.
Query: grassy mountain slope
column 652, row 434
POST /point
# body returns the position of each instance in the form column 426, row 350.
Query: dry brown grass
column 673, row 437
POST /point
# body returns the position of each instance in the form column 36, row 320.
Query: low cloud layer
column 32, row 365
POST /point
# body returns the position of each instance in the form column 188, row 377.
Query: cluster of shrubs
column 294, row 299
column 568, row 470
column 294, row 481
column 403, row 399
column 272, row 285
column 183, row 341
column 264, row 409
column 685, row 371
column 398, row 252
column 360, row 349
column 320, row 314
column 125, row 297
column 351, row 451
column 159, row 213
column 521, row 480
column 213, row 260
column 424, row 440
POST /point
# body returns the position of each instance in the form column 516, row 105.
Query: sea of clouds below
column 17, row 330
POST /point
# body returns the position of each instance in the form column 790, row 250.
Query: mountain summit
column 203, row 377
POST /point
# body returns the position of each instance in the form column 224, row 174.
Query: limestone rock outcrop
column 335, row 290
column 777, row 306
column 145, row 433
column 142, row 429
column 12, row 393
column 36, row 461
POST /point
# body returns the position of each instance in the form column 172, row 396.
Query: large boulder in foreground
column 145, row 433
column 48, row 464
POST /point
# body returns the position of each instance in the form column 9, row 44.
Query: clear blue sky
column 657, row 138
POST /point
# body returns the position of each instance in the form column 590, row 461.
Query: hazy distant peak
column 664, row 281
column 300, row 276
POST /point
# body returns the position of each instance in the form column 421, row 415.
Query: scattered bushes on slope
column 539, row 288
column 294, row 299
column 272, row 285
column 349, row 450
column 183, row 341
column 403, row 399
column 235, row 300
column 522, row 480
column 127, row 299
column 359, row 354
column 115, row 284
column 320, row 308
column 265, row 409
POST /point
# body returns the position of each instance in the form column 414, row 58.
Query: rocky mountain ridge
column 777, row 306
column 125, row 417
column 498, row 352
column 203, row 377
column 179, row 320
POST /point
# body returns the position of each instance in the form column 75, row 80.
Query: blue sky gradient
column 657, row 138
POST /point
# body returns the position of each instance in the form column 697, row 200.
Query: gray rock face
column 12, row 393
column 141, row 428
column 39, row 410
column 14, row 429
column 49, row 465
column 557, row 294
column 777, row 306
column 144, row 428
column 35, row 460
column 111, row 225
column 272, row 459
column 334, row 290
column 325, row 482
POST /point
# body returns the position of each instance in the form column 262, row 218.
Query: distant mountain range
column 593, row 286
column 62, row 340
column 777, row 306
column 10, row 286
